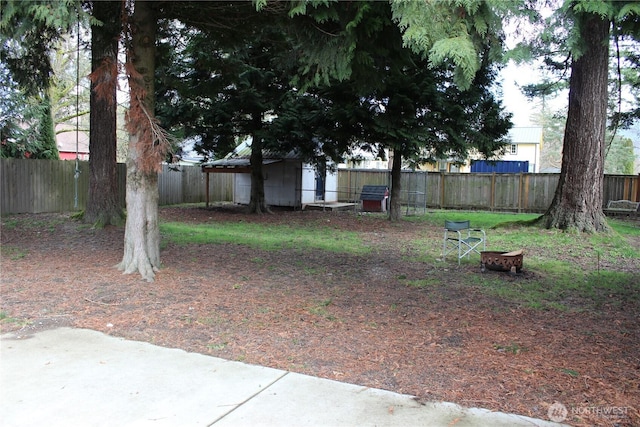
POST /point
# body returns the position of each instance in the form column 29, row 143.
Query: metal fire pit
column 502, row 261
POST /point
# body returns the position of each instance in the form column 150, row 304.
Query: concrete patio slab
column 76, row 377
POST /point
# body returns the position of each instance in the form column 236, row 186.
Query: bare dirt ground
column 345, row 317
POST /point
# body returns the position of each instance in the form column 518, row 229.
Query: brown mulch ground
column 344, row 317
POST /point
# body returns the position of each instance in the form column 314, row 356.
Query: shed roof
column 244, row 150
column 241, row 155
column 239, row 160
column 526, row 135
column 237, row 163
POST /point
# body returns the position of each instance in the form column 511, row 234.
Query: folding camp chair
column 460, row 237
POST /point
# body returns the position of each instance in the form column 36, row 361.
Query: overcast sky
column 516, row 76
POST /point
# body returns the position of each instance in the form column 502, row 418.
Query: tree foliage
column 219, row 91
column 29, row 33
column 561, row 44
column 454, row 32
column 620, row 158
column 401, row 102
column 393, row 98
column 225, row 85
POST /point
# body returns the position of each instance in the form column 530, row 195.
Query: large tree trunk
column 577, row 204
column 257, row 203
column 396, row 187
column 103, row 203
column 142, row 233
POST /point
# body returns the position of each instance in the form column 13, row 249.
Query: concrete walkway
column 73, row 377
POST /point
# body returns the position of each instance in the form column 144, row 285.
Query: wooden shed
column 288, row 181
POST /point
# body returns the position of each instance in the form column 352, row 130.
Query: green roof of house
column 526, row 135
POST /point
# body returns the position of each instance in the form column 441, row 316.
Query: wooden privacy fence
column 187, row 184
column 33, row 186
column 523, row 192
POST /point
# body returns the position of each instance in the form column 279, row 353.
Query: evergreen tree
column 620, row 158
column 28, row 33
column 11, row 112
column 578, row 199
column 226, row 89
column 582, row 28
column 553, row 130
column 103, row 200
column 402, row 104
column 147, row 146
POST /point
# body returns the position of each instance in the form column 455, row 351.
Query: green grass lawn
column 266, row 237
column 562, row 267
column 566, row 267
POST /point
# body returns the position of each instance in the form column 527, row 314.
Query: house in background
column 522, row 151
column 68, row 144
column 362, row 159
column 525, row 146
column 187, row 155
column 288, row 181
column 522, row 154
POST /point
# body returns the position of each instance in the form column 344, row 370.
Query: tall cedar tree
column 578, row 200
column 147, row 147
column 103, row 202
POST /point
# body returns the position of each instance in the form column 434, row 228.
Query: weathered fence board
column 170, row 186
column 49, row 186
column 350, row 182
column 505, row 191
column 621, row 187
column 539, row 190
column 500, row 192
column 42, row 185
column 33, row 186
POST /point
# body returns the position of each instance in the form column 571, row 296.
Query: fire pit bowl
column 502, row 261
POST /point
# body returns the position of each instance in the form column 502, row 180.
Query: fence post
column 520, row 192
column 525, row 191
column 492, row 202
column 441, row 190
column 350, row 196
column 207, row 191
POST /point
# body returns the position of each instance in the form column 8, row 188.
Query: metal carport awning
column 233, row 165
column 242, row 165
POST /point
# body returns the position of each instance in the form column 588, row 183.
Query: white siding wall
column 526, row 152
column 286, row 183
column 308, row 184
column 331, row 186
column 242, row 188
